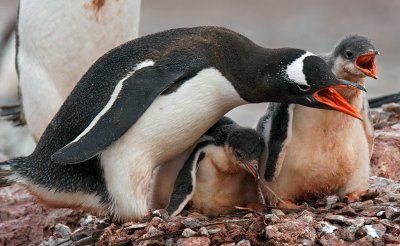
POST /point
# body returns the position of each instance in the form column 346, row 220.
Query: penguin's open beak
column 331, row 98
column 366, row 64
column 252, row 168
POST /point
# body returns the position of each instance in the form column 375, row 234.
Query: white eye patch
column 294, row 70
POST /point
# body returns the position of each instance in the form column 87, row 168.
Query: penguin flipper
column 130, row 99
column 186, row 181
column 367, row 124
column 276, row 128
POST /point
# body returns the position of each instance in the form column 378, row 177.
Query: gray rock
column 339, row 219
column 271, row 218
column 194, row 241
column 188, row 232
column 243, row 242
column 277, row 212
column 392, row 213
column 62, row 231
column 152, row 231
column 203, row 231
column 330, row 200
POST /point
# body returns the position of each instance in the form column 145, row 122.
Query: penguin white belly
column 168, row 127
column 328, row 154
column 68, row 37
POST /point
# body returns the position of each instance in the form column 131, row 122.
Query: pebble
column 277, row 212
column 62, row 231
column 188, row 232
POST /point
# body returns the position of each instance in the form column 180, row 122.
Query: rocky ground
column 373, row 221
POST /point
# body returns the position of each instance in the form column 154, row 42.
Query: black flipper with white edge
column 185, row 182
column 276, row 128
column 134, row 97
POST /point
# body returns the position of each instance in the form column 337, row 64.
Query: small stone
column 191, row 222
column 214, row 230
column 380, row 229
column 188, row 232
column 392, row 213
column 365, row 241
column 174, row 226
column 371, row 231
column 331, row 239
column 62, row 231
column 156, row 222
column 152, row 231
column 359, row 221
column 327, row 227
column 136, row 226
column 271, row 218
column 248, row 216
column 389, row 238
column 307, row 218
column 330, row 200
column 244, row 242
column 348, row 211
column 194, row 241
column 379, row 200
column 161, row 213
column 348, row 233
column 339, row 219
column 277, row 212
column 169, row 242
column 380, row 213
column 378, row 242
column 203, row 231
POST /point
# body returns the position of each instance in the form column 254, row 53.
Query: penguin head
column 308, row 80
column 244, row 147
column 354, row 57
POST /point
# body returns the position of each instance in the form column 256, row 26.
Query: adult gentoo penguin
column 221, row 172
column 57, row 41
column 146, row 101
column 312, row 152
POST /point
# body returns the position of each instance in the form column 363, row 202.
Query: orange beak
column 366, row 64
column 330, row 97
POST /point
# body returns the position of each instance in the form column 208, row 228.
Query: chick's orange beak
column 330, row 97
column 252, row 168
column 366, row 64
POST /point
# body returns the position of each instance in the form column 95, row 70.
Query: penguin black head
column 245, row 146
column 354, row 57
column 306, row 79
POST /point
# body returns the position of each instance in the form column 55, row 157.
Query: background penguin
column 221, row 172
column 312, row 152
column 67, row 38
column 148, row 100
column 379, row 101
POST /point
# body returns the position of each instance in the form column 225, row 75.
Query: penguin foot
column 287, row 204
column 354, row 196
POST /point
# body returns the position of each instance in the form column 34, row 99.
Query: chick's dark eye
column 349, row 54
column 238, row 154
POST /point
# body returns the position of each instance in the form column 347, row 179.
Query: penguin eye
column 238, row 154
column 349, row 54
column 303, row 87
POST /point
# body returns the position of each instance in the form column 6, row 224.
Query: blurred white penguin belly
column 168, row 127
column 323, row 157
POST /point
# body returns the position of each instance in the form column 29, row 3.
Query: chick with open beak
column 311, row 152
column 222, row 171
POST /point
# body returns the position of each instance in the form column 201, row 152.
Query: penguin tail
column 12, row 113
column 7, row 172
